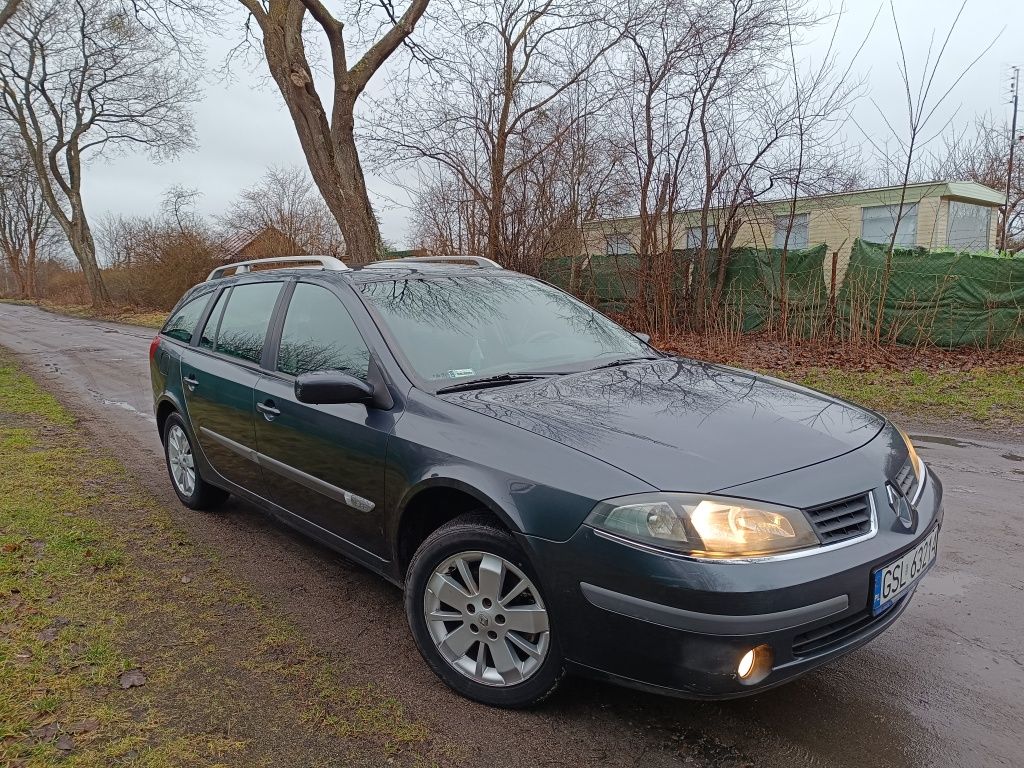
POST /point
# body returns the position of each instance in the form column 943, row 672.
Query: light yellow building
column 960, row 215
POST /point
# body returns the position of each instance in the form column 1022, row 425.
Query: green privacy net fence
column 949, row 299
column 941, row 297
column 751, row 292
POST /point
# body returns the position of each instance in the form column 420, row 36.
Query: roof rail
column 314, row 262
column 475, row 261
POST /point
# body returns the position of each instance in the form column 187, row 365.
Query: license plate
column 895, row 579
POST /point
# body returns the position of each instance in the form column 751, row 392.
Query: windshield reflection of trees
column 465, row 305
column 583, row 408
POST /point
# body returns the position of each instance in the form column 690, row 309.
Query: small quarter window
column 210, row 329
column 182, row 324
column 319, row 335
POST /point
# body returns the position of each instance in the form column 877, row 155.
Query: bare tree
column 705, row 116
column 821, row 97
column 82, row 78
column 923, row 101
column 26, row 224
column 7, row 11
column 511, row 84
column 328, row 139
column 286, row 200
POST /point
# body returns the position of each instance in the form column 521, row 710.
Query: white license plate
column 895, row 579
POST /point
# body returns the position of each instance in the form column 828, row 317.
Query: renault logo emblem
column 904, row 510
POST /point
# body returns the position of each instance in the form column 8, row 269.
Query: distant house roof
column 232, row 246
column 255, row 244
column 970, row 191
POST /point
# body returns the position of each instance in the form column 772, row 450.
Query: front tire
column 193, row 491
column 478, row 617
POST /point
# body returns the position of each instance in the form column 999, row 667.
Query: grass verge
column 992, row 397
column 123, row 643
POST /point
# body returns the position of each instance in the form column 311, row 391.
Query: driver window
column 319, row 335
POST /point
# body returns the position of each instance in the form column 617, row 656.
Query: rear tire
column 192, row 490
column 475, row 608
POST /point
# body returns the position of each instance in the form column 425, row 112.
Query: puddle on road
column 950, row 441
column 127, row 407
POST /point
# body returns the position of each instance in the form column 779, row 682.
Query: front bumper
column 679, row 626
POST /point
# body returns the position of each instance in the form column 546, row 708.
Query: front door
column 324, row 463
column 218, row 377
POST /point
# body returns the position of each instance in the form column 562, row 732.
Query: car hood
column 682, row 425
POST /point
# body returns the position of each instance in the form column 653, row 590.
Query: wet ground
column 943, row 687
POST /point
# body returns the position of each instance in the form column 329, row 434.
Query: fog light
column 755, row 665
column 746, row 665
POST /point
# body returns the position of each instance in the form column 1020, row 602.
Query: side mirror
column 644, row 337
column 331, row 388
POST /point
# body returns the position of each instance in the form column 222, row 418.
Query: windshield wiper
column 491, row 381
column 622, row 361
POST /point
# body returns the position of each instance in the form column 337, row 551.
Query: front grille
column 841, row 520
column 906, row 480
column 824, row 639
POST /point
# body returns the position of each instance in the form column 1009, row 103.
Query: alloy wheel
column 486, row 618
column 180, row 459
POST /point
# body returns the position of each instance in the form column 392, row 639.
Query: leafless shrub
column 152, row 261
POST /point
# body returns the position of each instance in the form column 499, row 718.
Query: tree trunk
column 30, row 271
column 354, row 213
column 14, row 261
column 330, row 152
column 84, row 246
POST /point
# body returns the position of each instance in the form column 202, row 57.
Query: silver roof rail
column 314, row 262
column 476, row 261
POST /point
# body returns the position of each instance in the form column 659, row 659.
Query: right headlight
column 705, row 526
column 915, row 460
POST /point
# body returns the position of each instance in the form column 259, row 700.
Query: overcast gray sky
column 243, row 127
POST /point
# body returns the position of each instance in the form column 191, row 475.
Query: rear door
column 218, row 374
column 324, row 463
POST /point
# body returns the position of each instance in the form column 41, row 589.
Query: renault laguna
column 552, row 493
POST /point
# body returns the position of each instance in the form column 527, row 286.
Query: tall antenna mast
column 1014, row 93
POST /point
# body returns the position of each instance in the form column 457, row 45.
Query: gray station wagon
column 551, row 492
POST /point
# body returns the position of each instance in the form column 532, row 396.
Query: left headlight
column 705, row 526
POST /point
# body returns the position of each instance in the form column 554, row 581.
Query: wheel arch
column 432, row 503
column 164, row 408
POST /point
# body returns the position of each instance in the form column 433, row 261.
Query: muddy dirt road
column 944, row 687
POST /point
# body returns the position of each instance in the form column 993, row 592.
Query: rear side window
column 242, row 327
column 319, row 335
column 182, row 324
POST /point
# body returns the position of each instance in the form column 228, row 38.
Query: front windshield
column 467, row 327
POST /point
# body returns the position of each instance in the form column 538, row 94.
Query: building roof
column 969, row 191
column 234, row 245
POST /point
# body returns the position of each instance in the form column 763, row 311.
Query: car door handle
column 191, row 382
column 267, row 409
